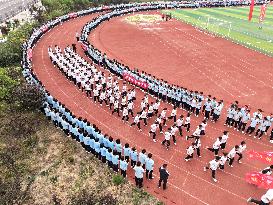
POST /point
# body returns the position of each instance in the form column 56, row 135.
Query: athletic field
column 233, row 23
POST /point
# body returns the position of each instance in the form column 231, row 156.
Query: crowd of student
column 112, row 152
column 106, row 90
column 192, row 101
column 103, row 146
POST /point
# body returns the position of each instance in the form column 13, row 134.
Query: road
column 9, row 8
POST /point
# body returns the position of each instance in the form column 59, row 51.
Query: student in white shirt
column 190, row 151
column 251, row 127
column 130, row 107
column 245, row 118
column 125, row 114
column 213, row 166
column 174, row 129
column 242, row 148
column 265, row 199
column 179, row 124
column 173, row 114
column 143, row 116
column 137, row 122
column 203, row 128
column 139, row 175
column 153, row 130
column 261, row 128
column 197, row 146
column 196, row 133
column 188, row 122
column 232, row 154
column 224, row 140
column 267, row 170
column 163, row 116
column 216, row 146
column 116, row 108
column 223, row 160
column 167, row 135
column 230, row 113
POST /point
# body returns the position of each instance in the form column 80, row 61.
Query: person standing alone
column 164, row 175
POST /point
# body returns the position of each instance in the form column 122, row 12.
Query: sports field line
column 221, row 56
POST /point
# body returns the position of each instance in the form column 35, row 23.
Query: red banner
column 72, row 15
column 134, row 81
column 262, row 13
column 29, row 53
column 84, row 47
column 251, row 10
column 266, row 157
column 261, row 180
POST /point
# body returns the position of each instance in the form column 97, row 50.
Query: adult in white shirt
column 213, row 166
column 265, row 199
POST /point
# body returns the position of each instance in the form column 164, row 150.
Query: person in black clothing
column 164, row 174
column 74, row 47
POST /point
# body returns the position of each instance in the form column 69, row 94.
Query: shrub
column 118, row 180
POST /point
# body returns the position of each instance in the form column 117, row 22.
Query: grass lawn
column 232, row 23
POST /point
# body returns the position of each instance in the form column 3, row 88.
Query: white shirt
column 213, row 165
column 190, row 150
column 188, row 120
column 153, row 127
column 224, row 139
column 241, row 148
column 223, row 160
column 136, row 120
column 143, row 114
column 216, row 144
column 232, row 153
column 268, row 196
column 167, row 136
column 179, row 122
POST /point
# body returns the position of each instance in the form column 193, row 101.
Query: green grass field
column 232, row 23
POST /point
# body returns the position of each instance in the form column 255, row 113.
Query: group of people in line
column 121, row 100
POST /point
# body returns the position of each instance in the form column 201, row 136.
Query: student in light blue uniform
column 103, row 151
column 142, row 157
column 118, row 147
column 149, row 162
column 133, row 155
column 115, row 160
column 109, row 157
column 139, row 175
column 127, row 152
column 111, row 143
column 97, row 148
column 123, row 165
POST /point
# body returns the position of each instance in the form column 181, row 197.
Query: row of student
column 102, row 146
column 239, row 118
column 143, row 115
column 236, row 116
column 190, row 100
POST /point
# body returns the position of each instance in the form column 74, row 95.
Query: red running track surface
column 185, row 56
column 188, row 183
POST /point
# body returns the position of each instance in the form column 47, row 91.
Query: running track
column 190, row 59
column 188, row 183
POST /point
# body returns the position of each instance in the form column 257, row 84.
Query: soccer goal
column 215, row 25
